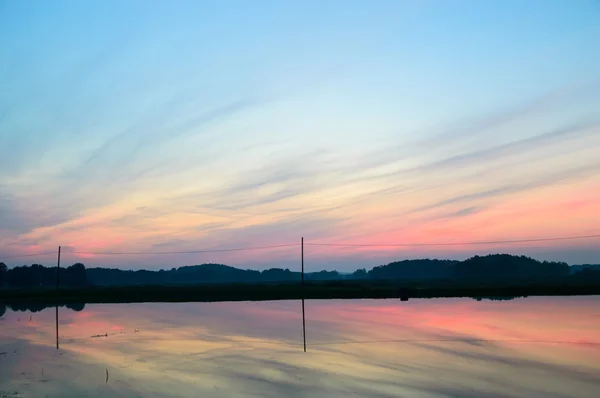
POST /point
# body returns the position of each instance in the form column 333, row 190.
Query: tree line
column 477, row 267
column 36, row 307
column 496, row 266
column 37, row 275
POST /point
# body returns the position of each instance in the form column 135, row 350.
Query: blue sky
column 176, row 125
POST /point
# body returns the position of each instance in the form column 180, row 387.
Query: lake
column 527, row 347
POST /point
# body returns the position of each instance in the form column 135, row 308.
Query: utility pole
column 58, row 268
column 302, row 251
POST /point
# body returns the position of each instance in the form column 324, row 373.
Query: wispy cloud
column 552, row 178
column 506, row 151
column 151, row 134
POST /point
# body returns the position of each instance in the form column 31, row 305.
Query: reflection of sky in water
column 536, row 347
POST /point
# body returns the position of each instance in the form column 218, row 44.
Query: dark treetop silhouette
column 496, row 266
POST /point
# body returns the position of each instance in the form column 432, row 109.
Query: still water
column 529, row 347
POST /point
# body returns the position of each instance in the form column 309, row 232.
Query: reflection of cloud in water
column 443, row 348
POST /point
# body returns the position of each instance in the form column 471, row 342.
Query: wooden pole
column 302, row 254
column 58, row 269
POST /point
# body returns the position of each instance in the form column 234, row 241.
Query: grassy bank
column 290, row 291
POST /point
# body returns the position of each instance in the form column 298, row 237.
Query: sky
column 155, row 126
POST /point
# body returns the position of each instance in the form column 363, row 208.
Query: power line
column 318, row 244
column 187, row 252
column 456, row 243
column 27, row 255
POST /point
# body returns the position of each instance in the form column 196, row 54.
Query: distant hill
column 493, row 267
column 415, row 269
column 583, row 267
column 205, row 273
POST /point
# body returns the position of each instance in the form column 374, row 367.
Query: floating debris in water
column 106, row 376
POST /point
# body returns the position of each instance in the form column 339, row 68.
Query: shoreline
column 286, row 291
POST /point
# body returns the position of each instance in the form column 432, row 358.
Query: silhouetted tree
column 323, row 275
column 22, row 307
column 21, row 277
column 278, row 274
column 74, row 276
column 584, row 267
column 39, row 276
column 414, row 269
column 76, row 306
column 3, row 272
column 498, row 298
column 360, row 274
column 508, row 266
column 37, row 307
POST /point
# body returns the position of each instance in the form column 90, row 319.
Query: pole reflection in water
column 303, row 326
column 57, row 327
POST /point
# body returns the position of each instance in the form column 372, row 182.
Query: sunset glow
column 169, row 127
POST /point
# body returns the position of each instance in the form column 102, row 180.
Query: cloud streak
column 152, row 135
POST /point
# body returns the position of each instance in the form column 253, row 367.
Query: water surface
column 534, row 347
